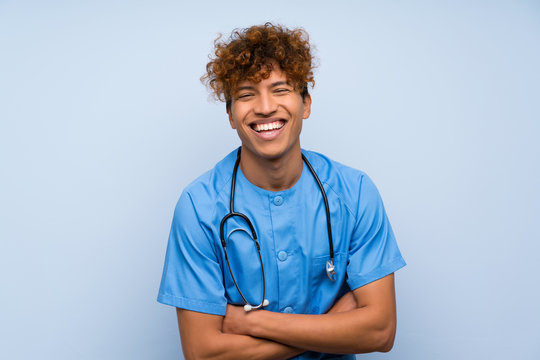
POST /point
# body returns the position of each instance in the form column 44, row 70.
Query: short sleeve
column 192, row 276
column 373, row 252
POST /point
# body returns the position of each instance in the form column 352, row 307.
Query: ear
column 307, row 106
column 231, row 121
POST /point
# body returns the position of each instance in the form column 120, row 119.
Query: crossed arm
column 363, row 320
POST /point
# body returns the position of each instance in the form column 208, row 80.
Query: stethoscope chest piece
column 330, row 269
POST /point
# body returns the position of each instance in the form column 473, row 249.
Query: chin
column 272, row 152
column 269, row 155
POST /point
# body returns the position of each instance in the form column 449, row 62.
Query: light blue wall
column 103, row 121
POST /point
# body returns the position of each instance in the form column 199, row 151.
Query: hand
column 346, row 303
column 235, row 321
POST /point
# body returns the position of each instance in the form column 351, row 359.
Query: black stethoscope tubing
column 330, row 270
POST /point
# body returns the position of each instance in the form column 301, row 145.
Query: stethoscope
column 330, row 269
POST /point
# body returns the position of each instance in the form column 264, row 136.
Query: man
column 327, row 286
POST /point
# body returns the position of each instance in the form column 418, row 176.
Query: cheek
column 237, row 115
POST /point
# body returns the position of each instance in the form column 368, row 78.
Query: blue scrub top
column 291, row 229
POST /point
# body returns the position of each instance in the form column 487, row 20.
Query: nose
column 265, row 105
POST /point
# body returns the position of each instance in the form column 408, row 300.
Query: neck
column 272, row 174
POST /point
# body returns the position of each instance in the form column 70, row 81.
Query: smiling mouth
column 274, row 125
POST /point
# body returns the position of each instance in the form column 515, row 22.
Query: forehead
column 276, row 77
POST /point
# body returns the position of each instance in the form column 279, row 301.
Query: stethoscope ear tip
column 266, row 302
column 247, row 308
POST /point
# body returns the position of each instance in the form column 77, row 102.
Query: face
column 268, row 116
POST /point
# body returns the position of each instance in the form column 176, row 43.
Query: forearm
column 364, row 325
column 229, row 346
column 202, row 337
column 361, row 321
column 357, row 331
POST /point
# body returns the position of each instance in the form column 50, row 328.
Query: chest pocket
column 326, row 292
column 245, row 266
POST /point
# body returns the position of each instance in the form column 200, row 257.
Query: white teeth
column 271, row 126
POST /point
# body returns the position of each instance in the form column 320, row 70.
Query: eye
column 282, row 91
column 244, row 96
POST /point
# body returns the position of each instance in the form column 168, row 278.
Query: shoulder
column 334, row 173
column 348, row 183
column 205, row 190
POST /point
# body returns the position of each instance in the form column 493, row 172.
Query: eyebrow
column 247, row 87
column 279, row 83
column 251, row 87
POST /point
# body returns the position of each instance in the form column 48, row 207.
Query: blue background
column 103, row 121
